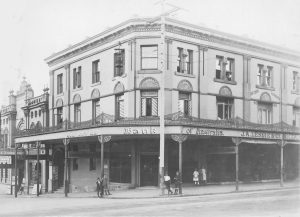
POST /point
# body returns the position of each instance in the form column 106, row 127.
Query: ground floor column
column 66, row 143
column 133, row 165
column 237, row 142
column 282, row 144
column 180, row 139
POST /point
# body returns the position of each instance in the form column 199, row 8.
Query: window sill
column 95, row 84
column 297, row 92
column 77, row 89
column 185, row 74
column 122, row 76
column 149, row 71
column 265, row 87
column 224, row 81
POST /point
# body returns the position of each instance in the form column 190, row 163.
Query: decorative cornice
column 171, row 28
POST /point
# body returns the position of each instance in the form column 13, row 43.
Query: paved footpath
column 154, row 192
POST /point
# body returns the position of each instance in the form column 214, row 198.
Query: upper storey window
column 95, row 72
column 224, row 108
column 264, row 76
column 296, row 82
column 224, row 69
column 77, row 77
column 149, row 57
column 59, row 83
column 149, row 103
column 119, row 62
column 185, row 61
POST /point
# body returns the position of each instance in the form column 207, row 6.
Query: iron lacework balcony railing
column 175, row 119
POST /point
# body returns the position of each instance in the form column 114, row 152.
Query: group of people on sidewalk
column 199, row 177
column 102, row 186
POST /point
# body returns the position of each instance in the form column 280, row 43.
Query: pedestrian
column 203, row 175
column 101, row 187
column 167, row 181
column 177, row 181
column 196, row 177
column 105, row 185
column 21, row 188
column 98, row 186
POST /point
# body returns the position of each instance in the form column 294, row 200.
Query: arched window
column 265, row 109
column 225, row 104
column 185, row 97
column 119, row 100
column 149, row 97
column 95, row 105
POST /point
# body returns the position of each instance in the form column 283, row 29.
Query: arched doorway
column 58, row 169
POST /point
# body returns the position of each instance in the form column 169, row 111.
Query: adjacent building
column 232, row 106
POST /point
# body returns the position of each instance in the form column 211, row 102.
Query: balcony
column 37, row 100
column 8, row 109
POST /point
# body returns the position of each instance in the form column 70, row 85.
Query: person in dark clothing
column 105, row 185
column 98, row 186
column 101, row 187
column 177, row 181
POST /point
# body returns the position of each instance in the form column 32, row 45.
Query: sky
column 31, row 30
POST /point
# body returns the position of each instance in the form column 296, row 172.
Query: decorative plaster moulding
column 175, row 27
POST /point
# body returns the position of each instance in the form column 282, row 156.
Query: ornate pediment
column 149, row 83
column 119, row 88
column 59, row 102
column 185, row 85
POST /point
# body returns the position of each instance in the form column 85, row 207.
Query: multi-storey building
column 12, row 118
column 231, row 106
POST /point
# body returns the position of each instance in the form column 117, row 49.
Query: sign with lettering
column 5, row 159
column 140, row 130
column 260, row 135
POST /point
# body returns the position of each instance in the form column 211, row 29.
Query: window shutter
column 121, row 114
column 154, row 106
column 181, row 105
column 190, row 107
column 143, row 106
column 115, row 64
column 74, row 78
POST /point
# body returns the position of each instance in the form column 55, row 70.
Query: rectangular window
column 149, row 57
column 119, row 62
column 95, row 110
column 264, row 113
column 225, row 108
column 77, row 77
column 75, row 164
column 296, row 81
column 59, row 83
column 59, row 120
column 296, row 116
column 219, row 61
column 119, row 106
column 259, row 75
column 35, row 114
column 40, row 113
column 92, row 164
column 185, row 61
column 224, row 68
column 77, row 113
column 95, row 72
column 149, row 103
column 264, row 75
column 185, row 103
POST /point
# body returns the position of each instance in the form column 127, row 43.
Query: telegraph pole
column 162, row 98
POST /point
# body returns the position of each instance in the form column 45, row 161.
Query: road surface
column 271, row 203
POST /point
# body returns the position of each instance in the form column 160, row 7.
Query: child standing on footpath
column 196, row 177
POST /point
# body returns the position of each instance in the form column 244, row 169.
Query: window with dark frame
column 119, row 62
column 149, row 57
column 264, row 75
column 224, row 68
column 95, row 71
column 95, row 110
column 296, row 81
column 149, row 103
column 265, row 113
column 185, row 61
column 296, row 116
column 224, row 108
column 77, row 113
column 31, row 114
column 59, row 115
column 59, row 83
column 35, row 113
column 77, row 77
column 185, row 103
column 40, row 113
column 119, row 106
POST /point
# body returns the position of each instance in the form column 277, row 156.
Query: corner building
column 232, row 106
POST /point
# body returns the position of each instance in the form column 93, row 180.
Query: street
column 277, row 203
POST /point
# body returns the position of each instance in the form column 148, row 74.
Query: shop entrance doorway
column 149, row 170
